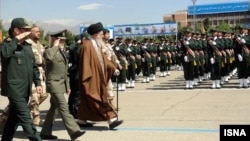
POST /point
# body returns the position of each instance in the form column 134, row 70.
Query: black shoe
column 86, row 124
column 48, row 137
column 115, row 124
column 76, row 135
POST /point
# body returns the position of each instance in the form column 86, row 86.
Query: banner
column 145, row 29
column 219, row 8
column 109, row 27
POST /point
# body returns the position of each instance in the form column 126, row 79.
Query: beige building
column 179, row 17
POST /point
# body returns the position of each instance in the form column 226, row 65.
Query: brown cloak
column 94, row 105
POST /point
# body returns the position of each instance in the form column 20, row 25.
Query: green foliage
column 223, row 27
column 207, row 24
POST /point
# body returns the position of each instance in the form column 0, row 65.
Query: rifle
column 216, row 50
column 243, row 46
column 189, row 50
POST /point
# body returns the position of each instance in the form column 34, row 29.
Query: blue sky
column 111, row 12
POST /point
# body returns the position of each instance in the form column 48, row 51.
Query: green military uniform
column 169, row 50
column 217, row 64
column 242, row 58
column 121, row 51
column 19, row 71
column 152, row 48
column 57, row 85
column 188, row 59
column 146, row 61
column 74, row 97
column 137, row 59
column 163, row 58
column 131, row 57
column 205, row 49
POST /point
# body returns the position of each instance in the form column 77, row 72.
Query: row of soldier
column 217, row 55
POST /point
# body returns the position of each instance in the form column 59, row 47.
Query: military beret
column 84, row 35
column 58, row 34
column 77, row 37
column 20, row 23
column 95, row 28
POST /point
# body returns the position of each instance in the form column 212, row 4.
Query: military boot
column 3, row 120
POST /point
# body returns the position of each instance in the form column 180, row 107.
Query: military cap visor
column 59, row 34
column 20, row 23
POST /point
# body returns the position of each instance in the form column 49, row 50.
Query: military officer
column 19, row 70
column 57, row 84
column 37, row 99
column 109, row 52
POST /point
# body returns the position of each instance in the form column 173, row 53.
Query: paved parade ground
column 163, row 111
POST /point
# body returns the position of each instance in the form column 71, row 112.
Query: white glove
column 23, row 35
column 243, row 41
column 129, row 50
column 142, row 59
column 161, row 48
column 56, row 43
column 240, row 58
column 185, row 58
column 159, row 58
column 214, row 43
column 212, row 60
column 117, row 72
column 144, row 47
column 116, row 48
column 187, row 42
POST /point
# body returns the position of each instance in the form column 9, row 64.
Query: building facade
column 231, row 13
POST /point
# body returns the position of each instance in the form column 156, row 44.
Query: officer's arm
column 8, row 47
column 50, row 53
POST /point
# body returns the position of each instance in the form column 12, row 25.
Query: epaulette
column 7, row 39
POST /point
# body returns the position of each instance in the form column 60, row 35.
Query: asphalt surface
column 163, row 110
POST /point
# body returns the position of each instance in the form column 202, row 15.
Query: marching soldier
column 121, row 52
column 109, row 52
column 242, row 57
column 137, row 58
column 216, row 59
column 131, row 57
column 205, row 49
column 201, row 60
column 196, row 59
column 146, row 61
column 37, row 99
column 188, row 57
column 163, row 58
column 168, row 61
column 153, row 53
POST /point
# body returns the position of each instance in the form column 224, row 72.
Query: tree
column 224, row 26
column 207, row 24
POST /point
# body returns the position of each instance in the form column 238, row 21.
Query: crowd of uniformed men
column 215, row 56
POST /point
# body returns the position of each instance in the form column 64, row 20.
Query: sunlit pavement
column 163, row 110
